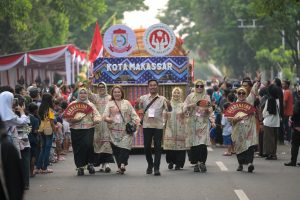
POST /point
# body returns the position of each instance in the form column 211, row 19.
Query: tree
column 283, row 15
column 31, row 24
column 211, row 27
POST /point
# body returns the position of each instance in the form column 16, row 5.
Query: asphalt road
column 270, row 180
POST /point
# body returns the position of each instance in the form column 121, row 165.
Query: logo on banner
column 119, row 40
column 159, row 40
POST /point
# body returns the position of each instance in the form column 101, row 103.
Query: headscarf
column 6, row 101
column 102, row 83
column 180, row 98
column 197, row 96
column 78, row 98
column 242, row 89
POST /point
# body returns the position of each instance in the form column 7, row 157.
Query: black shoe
column 298, row 164
column 122, row 170
column 290, row 164
column 149, row 170
column 91, row 169
column 156, row 172
column 107, row 170
column 177, row 167
column 240, row 168
column 170, row 166
column 196, row 168
column 202, row 167
column 80, row 172
column 250, row 168
column 271, row 157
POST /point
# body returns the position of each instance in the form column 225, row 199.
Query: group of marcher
column 32, row 125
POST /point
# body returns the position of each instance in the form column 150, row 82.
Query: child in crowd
column 33, row 136
column 227, row 129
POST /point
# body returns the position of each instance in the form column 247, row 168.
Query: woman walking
column 117, row 114
column 244, row 132
column 102, row 147
column 82, row 133
column 200, row 119
column 175, row 134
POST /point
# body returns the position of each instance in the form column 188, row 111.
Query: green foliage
column 211, row 27
column 31, row 24
column 277, row 57
column 287, row 74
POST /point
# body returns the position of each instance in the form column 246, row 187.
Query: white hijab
column 6, row 101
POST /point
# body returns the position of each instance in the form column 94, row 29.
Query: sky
column 144, row 19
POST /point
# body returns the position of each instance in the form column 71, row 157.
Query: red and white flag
column 96, row 50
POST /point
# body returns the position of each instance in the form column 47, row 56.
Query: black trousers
column 26, row 165
column 198, row 154
column 155, row 135
column 83, row 149
column 121, row 155
column 247, row 156
column 176, row 157
column 295, row 146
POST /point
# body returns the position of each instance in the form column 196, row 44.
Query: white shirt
column 227, row 129
column 271, row 120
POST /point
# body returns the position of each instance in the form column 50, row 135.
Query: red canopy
column 41, row 62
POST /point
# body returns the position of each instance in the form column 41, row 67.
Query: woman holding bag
column 47, row 128
column 117, row 114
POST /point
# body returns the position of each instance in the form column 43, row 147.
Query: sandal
column 47, row 171
column 226, row 154
column 38, row 171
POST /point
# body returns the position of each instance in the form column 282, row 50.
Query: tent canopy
column 64, row 60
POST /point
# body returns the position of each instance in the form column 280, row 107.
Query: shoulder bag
column 147, row 107
column 130, row 127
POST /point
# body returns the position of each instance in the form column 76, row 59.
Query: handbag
column 45, row 127
column 129, row 127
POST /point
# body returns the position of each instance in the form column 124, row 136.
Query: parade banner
column 239, row 109
column 138, row 70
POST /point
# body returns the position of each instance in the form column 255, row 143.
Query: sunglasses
column 241, row 93
column 199, row 86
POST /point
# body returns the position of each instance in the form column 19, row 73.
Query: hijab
column 180, row 97
column 242, row 89
column 197, row 96
column 78, row 97
column 104, row 84
column 6, row 101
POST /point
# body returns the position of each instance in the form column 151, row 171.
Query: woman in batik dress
column 117, row 114
column 102, row 147
column 244, row 132
column 175, row 135
column 199, row 121
column 82, row 134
